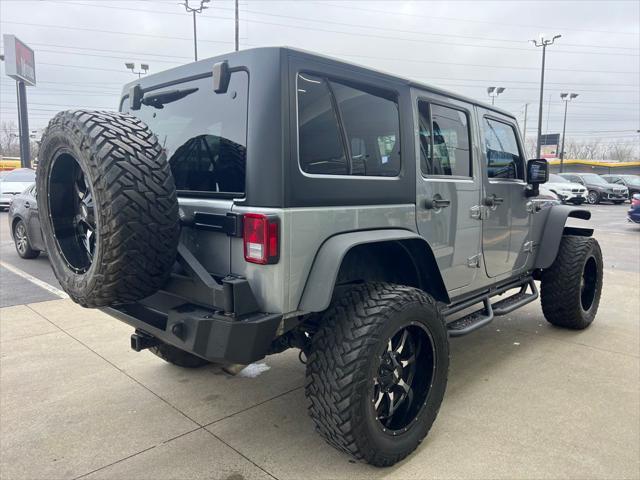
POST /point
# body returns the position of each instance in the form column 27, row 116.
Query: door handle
column 436, row 202
column 493, row 201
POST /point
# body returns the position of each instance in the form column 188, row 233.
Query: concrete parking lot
column 525, row 399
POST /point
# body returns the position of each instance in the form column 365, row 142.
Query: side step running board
column 485, row 315
column 472, row 321
column 516, row 301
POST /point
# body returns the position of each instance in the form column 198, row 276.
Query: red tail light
column 261, row 238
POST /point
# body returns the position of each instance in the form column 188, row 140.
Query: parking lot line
column 34, row 280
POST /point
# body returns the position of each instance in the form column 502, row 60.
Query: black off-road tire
column 344, row 360
column 178, row 357
column 568, row 299
column 136, row 208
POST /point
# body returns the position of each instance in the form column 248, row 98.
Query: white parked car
column 567, row 191
column 14, row 182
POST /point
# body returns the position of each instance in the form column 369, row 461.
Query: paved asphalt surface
column 525, row 399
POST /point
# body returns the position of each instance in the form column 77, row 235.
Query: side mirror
column 537, row 173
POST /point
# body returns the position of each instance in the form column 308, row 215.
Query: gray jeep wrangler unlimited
column 272, row 198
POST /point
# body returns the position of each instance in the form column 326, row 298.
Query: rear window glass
column 321, row 149
column 343, row 130
column 444, row 141
column 204, row 134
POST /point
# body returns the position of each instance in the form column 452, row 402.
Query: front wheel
column 571, row 287
column 21, row 239
column 593, row 197
column 377, row 371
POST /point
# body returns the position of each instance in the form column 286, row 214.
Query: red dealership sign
column 20, row 61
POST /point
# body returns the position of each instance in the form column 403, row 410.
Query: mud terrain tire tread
column 337, row 367
column 135, row 203
column 560, row 286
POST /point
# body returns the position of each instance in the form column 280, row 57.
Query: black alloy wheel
column 398, row 393
column 73, row 213
column 588, row 283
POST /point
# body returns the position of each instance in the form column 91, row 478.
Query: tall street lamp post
column 544, row 43
column 566, row 98
column 493, row 92
column 193, row 11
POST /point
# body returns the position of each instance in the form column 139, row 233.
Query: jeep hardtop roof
column 249, row 56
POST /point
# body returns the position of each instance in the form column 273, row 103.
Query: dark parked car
column 633, row 215
column 25, row 224
column 599, row 189
column 632, row 182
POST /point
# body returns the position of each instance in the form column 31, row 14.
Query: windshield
column 557, row 178
column 22, row 175
column 631, row 179
column 594, row 179
column 203, row 133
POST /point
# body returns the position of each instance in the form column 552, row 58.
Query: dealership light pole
column 20, row 64
column 566, row 98
column 193, row 11
column 494, row 92
column 144, row 68
column 544, row 43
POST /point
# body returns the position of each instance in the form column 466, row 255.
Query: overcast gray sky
column 464, row 46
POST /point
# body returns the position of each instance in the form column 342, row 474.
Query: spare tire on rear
column 108, row 207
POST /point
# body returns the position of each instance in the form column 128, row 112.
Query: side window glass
column 503, row 156
column 320, row 145
column 447, row 151
column 372, row 125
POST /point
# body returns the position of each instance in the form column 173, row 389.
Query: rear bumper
column 210, row 334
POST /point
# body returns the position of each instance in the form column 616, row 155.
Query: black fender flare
column 321, row 280
column 554, row 228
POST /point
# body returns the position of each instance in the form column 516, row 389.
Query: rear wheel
column 21, row 239
column 178, row 357
column 377, row 371
column 571, row 287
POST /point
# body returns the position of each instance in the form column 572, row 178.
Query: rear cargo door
column 204, row 135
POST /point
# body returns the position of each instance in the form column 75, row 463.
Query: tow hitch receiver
column 141, row 341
